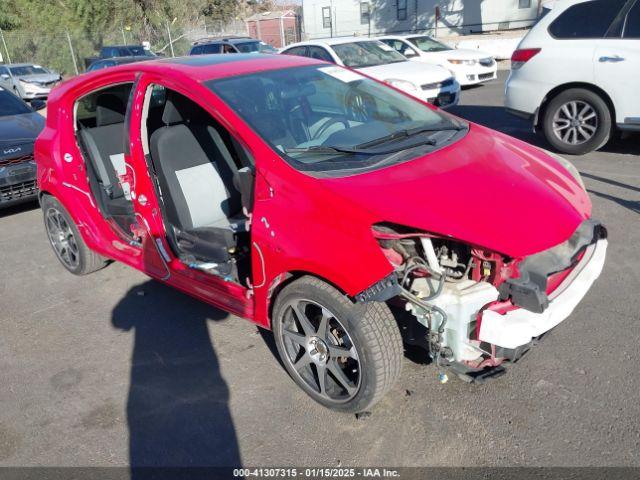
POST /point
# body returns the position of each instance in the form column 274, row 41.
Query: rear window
column 586, row 20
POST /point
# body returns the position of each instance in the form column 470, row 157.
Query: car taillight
column 520, row 57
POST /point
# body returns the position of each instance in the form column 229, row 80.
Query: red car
column 337, row 211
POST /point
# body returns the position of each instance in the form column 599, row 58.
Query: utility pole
column 73, row 55
column 5, row 46
column 124, row 39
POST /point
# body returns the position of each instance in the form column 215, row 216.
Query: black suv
column 19, row 127
column 208, row 46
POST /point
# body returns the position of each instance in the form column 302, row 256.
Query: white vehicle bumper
column 524, row 96
column 473, row 75
column 519, row 327
column 442, row 97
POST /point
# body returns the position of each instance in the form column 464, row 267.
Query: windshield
column 327, row 118
column 27, row 70
column 11, row 105
column 366, row 54
column 248, row 47
column 428, row 44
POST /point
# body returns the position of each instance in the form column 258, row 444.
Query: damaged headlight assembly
column 568, row 166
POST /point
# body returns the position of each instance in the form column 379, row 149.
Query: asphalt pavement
column 116, row 369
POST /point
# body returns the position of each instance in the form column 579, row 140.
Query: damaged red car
column 331, row 208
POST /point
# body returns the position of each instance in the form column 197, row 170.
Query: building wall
column 273, row 31
column 456, row 16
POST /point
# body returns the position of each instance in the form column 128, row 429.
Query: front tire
column 67, row 244
column 577, row 121
column 344, row 355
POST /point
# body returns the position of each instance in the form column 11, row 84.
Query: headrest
column 109, row 110
column 172, row 108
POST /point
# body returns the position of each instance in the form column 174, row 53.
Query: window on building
column 364, row 13
column 524, row 3
column 586, row 20
column 632, row 24
column 401, row 9
column 326, row 17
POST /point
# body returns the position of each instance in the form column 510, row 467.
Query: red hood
column 487, row 189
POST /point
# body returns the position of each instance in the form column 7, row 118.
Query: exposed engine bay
column 448, row 287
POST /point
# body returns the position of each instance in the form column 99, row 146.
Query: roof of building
column 270, row 15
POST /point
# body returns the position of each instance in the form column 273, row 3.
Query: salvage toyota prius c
column 335, row 210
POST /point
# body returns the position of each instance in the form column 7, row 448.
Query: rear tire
column 66, row 241
column 577, row 121
column 355, row 348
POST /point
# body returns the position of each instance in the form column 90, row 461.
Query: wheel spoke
column 322, row 379
column 302, row 362
column 302, row 318
column 588, row 117
column 341, row 352
column 324, row 324
column 590, row 128
column 295, row 337
column 567, row 113
column 586, row 135
column 341, row 377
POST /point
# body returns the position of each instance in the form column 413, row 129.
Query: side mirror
column 38, row 104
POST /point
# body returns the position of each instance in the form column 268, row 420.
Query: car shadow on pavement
column 19, row 208
column 497, row 118
column 177, row 409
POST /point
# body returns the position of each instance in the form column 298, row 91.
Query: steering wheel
column 360, row 106
column 328, row 123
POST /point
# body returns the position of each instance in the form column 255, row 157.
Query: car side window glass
column 298, row 51
column 228, row 48
column 211, row 48
column 632, row 23
column 320, row 53
column 586, row 20
column 196, row 50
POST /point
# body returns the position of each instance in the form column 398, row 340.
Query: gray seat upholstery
column 105, row 142
column 195, row 170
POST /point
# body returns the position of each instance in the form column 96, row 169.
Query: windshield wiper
column 327, row 150
column 406, row 133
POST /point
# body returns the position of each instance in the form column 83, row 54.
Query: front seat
column 195, row 171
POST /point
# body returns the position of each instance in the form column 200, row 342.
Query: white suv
column 576, row 73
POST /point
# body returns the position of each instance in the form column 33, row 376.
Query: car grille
column 18, row 190
column 13, row 161
column 430, row 86
column 487, row 62
column 485, row 76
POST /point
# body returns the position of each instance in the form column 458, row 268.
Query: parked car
column 20, row 124
column 372, row 57
column 115, row 61
column 120, row 51
column 113, row 51
column 324, row 205
column 470, row 67
column 207, row 46
column 27, row 80
column 574, row 74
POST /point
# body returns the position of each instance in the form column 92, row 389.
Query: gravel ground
column 116, row 369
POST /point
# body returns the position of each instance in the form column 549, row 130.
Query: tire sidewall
column 603, row 132
column 349, row 315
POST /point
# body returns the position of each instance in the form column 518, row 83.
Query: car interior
column 204, row 179
column 100, row 130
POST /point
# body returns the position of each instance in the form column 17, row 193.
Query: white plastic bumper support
column 518, row 327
